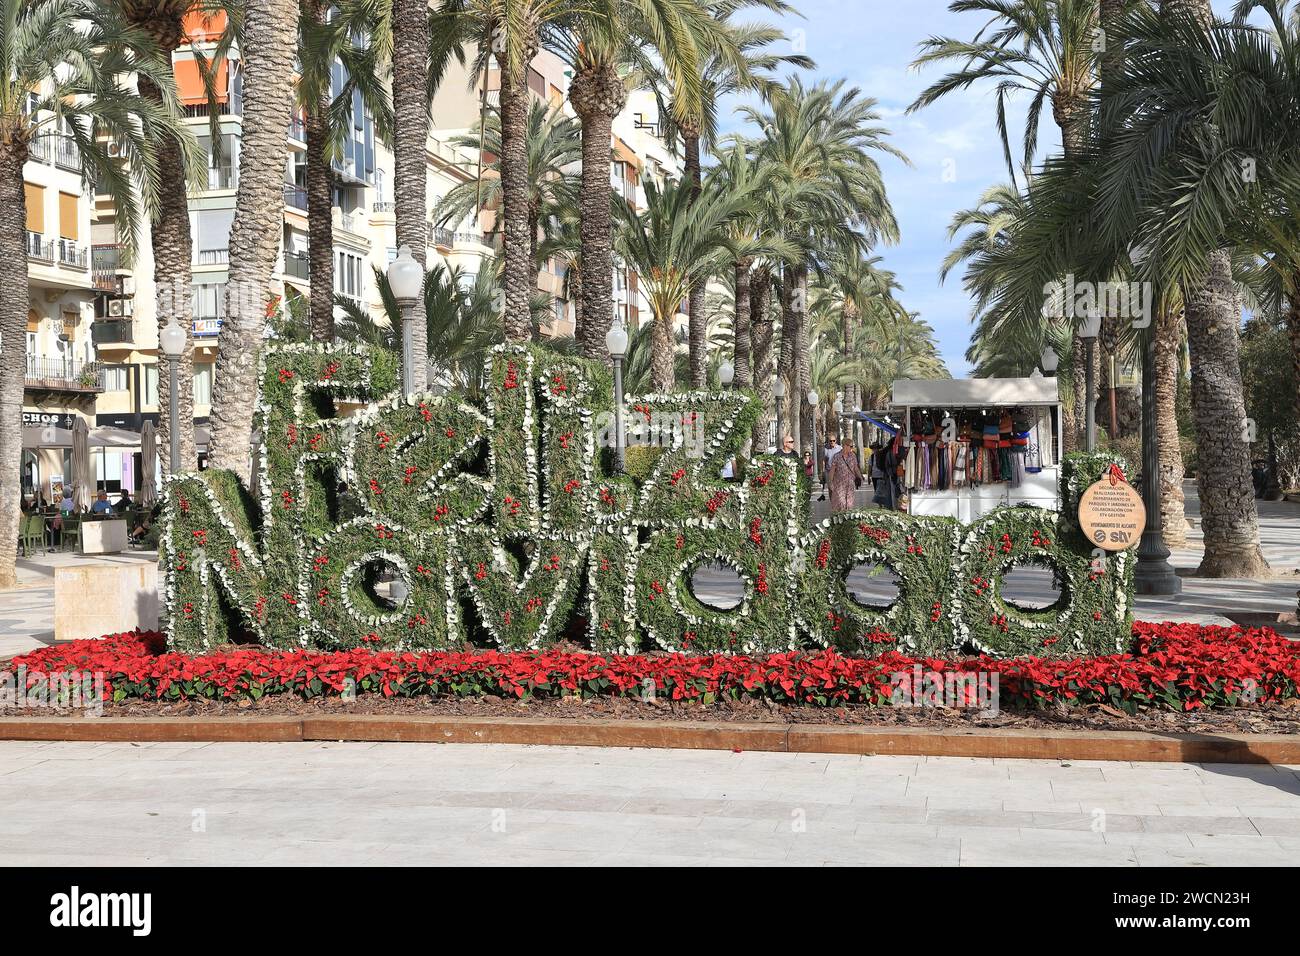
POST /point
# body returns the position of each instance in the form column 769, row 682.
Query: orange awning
column 190, row 82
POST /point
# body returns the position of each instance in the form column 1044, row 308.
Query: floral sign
column 424, row 522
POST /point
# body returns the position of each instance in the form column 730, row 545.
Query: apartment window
column 212, row 235
column 208, row 301
column 202, row 384
column 117, row 378
column 348, row 276
column 68, row 216
column 149, row 385
column 35, row 202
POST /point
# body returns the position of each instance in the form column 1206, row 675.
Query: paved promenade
column 357, row 803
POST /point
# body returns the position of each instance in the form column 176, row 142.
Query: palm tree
column 1178, row 191
column 65, row 62
column 508, row 32
column 855, row 291
column 746, row 62
column 984, row 235
column 323, row 42
column 1044, row 48
column 408, row 37
column 172, row 246
column 461, row 321
column 553, row 147
column 1157, row 190
column 819, row 143
column 267, row 47
column 674, row 245
column 603, row 42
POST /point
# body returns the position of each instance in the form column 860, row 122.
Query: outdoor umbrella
column 83, row 482
column 46, row 436
column 148, row 467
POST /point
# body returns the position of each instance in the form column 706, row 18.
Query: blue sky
column 871, row 44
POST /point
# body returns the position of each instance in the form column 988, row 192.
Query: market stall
column 975, row 444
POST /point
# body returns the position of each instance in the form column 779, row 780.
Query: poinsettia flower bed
column 1180, row 667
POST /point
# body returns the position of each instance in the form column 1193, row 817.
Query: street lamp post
column 405, row 277
column 1048, row 360
column 726, row 374
column 812, row 401
column 172, row 342
column 1088, row 330
column 778, row 396
column 616, row 343
column 1153, row 574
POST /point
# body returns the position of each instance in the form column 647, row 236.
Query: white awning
column 970, row 392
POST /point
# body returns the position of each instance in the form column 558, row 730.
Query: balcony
column 59, row 375
column 73, row 255
column 295, row 197
column 66, row 154
column 204, row 110
column 105, row 260
column 443, row 237
column 38, row 249
column 297, row 130
column 297, row 266
column 206, row 326
column 213, row 257
column 57, row 149
column 383, row 208
column 112, row 332
column 38, row 150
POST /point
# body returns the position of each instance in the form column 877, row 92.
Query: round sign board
column 1112, row 515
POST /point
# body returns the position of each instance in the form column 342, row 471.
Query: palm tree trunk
column 270, row 41
column 1169, row 337
column 598, row 95
column 662, row 353
column 575, row 299
column 760, row 335
column 517, row 277
column 1128, row 410
column 803, row 359
column 13, row 328
column 172, row 247
column 1229, row 522
column 698, row 337
column 410, row 142
column 786, row 366
column 1293, row 334
column 173, row 253
column 740, row 326
column 534, row 270
column 1072, row 115
column 320, row 206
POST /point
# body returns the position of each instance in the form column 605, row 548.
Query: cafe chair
column 71, row 534
column 31, row 534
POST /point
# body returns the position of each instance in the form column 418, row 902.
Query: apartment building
column 637, row 151
column 62, row 379
column 92, row 341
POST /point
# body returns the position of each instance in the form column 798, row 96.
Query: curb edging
column 686, row 735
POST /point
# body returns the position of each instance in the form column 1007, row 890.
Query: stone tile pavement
column 27, row 611
column 392, row 803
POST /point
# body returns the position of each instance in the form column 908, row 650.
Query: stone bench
column 91, row 600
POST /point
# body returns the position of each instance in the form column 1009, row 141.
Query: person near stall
column 845, row 478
